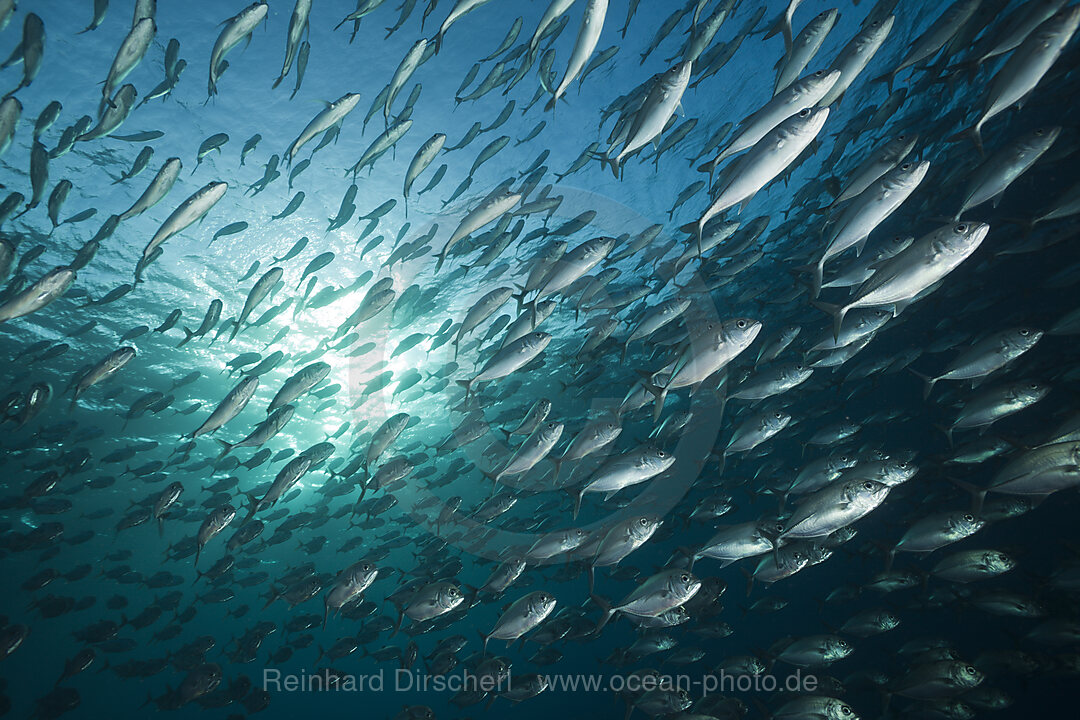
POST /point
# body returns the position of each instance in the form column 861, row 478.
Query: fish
column 230, row 229
column 32, row 50
column 236, row 29
column 622, row 471
column 256, row 295
column 658, row 107
column 799, row 95
column 904, row 276
column 299, row 384
column 804, row 47
column 868, row 210
column 420, row 162
column 935, row 37
column 404, row 72
column 592, row 25
column 38, row 295
column 534, row 385
column 100, row 8
column 140, row 163
column 128, row 57
column 298, row 24
column 231, row 406
column 658, row 594
column 994, row 176
column 484, row 213
column 985, row 357
column 263, row 432
column 522, row 616
column 510, row 358
column 194, row 208
column 102, row 370
column 460, row 9
column 855, row 56
column 380, row 145
column 330, row 117
column 764, row 161
column 1024, row 69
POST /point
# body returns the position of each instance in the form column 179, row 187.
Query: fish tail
column 608, row 612
column 887, row 78
column 948, row 432
column 519, row 297
column 609, row 162
column 928, row 382
column 819, row 276
column 467, row 384
column 974, row 133
column 977, row 495
column 837, row 311
column 226, row 448
column 577, row 500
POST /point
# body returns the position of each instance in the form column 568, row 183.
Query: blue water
column 999, row 287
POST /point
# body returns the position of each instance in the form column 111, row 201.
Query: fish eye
column 819, row 73
column 804, row 112
column 660, row 453
column 1025, row 332
column 740, row 324
column 844, row 709
column 644, row 522
column 1039, row 132
column 961, row 228
column 968, row 517
column 905, row 166
column 969, row 670
column 868, row 485
column 685, row 578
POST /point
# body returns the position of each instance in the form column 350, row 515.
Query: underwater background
column 98, row 555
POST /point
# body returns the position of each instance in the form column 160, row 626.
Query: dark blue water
column 77, row 578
